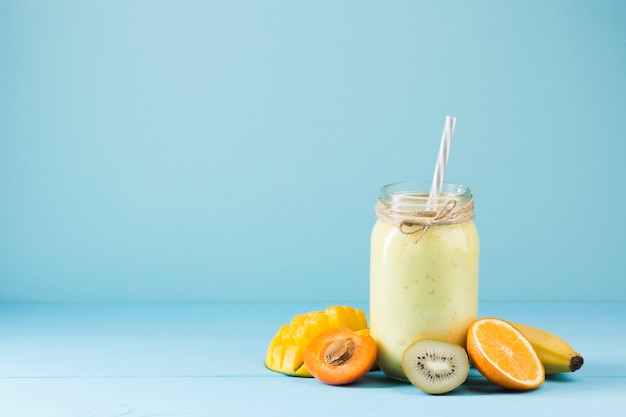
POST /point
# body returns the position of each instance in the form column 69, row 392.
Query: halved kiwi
column 435, row 366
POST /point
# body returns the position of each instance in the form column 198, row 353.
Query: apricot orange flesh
column 340, row 356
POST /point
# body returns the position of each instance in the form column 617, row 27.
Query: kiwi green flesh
column 435, row 366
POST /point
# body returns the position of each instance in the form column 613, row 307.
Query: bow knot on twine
column 410, row 222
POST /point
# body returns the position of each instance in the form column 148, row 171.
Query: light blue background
column 233, row 151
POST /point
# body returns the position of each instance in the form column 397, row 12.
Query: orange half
column 503, row 355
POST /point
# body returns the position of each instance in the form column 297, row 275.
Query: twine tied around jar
column 419, row 221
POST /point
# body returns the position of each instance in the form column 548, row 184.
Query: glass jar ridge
column 407, row 200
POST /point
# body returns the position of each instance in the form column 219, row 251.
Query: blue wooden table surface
column 207, row 360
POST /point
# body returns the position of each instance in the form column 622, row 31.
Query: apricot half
column 340, row 356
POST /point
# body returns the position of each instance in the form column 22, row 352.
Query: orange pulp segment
column 503, row 355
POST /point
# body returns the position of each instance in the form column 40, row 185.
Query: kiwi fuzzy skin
column 435, row 366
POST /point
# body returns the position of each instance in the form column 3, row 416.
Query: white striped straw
column 442, row 159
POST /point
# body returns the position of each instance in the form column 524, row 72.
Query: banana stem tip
column 576, row 363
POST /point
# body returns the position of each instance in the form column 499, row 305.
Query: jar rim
column 418, row 191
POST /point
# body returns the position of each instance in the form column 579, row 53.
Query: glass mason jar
column 423, row 269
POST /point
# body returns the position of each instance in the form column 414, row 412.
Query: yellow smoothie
column 422, row 284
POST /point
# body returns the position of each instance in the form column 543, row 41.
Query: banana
column 555, row 353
